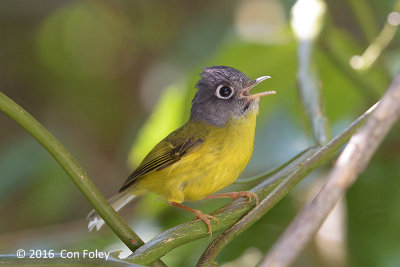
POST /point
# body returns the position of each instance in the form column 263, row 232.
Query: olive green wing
column 167, row 152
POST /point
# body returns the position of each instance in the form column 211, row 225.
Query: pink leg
column 235, row 195
column 204, row 217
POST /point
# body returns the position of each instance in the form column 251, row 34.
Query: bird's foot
column 206, row 219
column 198, row 214
column 236, row 195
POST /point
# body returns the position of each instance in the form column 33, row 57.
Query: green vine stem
column 72, row 168
column 290, row 164
column 270, row 190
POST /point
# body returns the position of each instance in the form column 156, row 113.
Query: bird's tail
column 117, row 202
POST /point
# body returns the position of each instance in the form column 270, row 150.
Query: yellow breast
column 222, row 158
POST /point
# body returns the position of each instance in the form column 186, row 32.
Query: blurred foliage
column 111, row 78
column 166, row 117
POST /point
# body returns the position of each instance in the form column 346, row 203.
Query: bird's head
column 224, row 93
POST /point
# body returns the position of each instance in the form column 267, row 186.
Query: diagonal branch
column 353, row 160
column 380, row 43
column 274, row 188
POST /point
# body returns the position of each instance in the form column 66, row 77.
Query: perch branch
column 276, row 187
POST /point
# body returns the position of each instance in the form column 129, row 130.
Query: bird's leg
column 235, row 195
column 204, row 217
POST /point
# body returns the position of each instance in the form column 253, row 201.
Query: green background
column 111, row 78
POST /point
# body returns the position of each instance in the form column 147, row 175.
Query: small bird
column 204, row 155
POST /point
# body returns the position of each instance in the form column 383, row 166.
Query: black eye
column 224, row 92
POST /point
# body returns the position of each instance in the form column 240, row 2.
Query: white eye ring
column 223, row 93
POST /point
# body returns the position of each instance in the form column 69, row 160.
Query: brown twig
column 353, row 160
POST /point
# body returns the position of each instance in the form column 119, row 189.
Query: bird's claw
column 206, row 219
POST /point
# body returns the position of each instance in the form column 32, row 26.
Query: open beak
column 246, row 91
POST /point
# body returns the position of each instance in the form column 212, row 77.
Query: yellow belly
column 217, row 164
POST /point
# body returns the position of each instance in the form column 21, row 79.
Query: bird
column 206, row 154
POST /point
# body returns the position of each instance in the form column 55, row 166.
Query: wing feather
column 169, row 151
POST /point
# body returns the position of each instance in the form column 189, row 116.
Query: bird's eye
column 224, row 92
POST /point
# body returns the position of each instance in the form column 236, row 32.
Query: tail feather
column 117, row 202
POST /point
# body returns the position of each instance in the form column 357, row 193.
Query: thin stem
column 301, row 171
column 72, row 168
column 352, row 161
column 292, row 162
column 379, row 44
column 229, row 214
column 310, row 93
column 307, row 28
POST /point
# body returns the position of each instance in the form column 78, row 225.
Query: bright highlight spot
column 394, row 18
column 357, row 62
column 307, row 18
